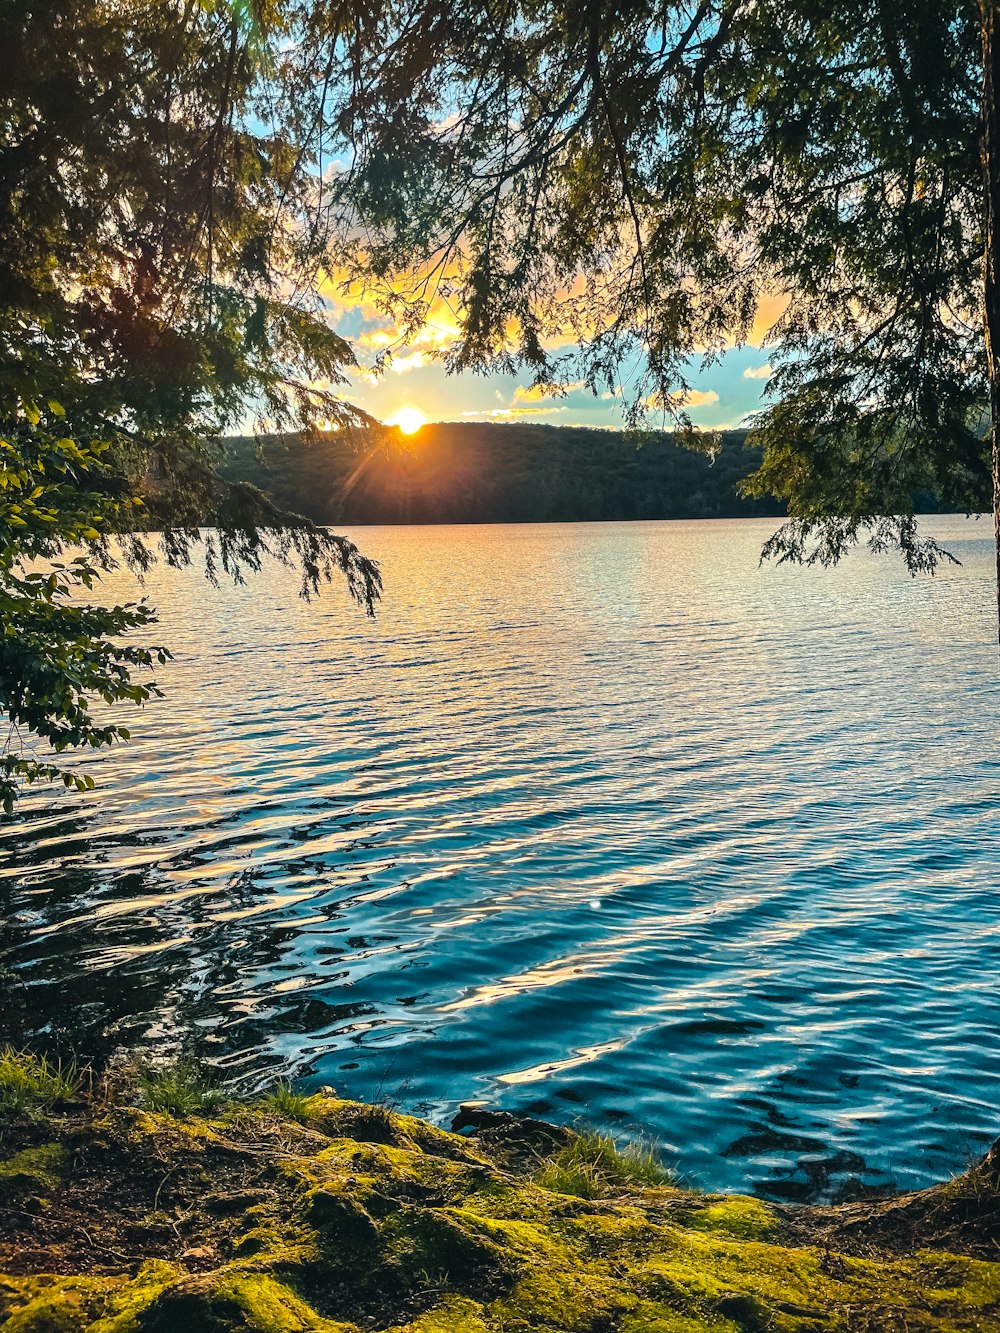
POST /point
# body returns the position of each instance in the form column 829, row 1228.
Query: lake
column 598, row 821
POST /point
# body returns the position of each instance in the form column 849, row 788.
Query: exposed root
column 115, row 1219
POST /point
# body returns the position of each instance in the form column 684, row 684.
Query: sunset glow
column 408, row 419
column 723, row 395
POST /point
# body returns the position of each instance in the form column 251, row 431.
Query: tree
column 56, row 653
column 989, row 11
column 159, row 281
column 639, row 177
column 176, row 181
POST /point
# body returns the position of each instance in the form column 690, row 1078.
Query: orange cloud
column 672, row 402
column 770, row 308
column 506, row 413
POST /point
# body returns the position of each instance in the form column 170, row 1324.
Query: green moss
column 648, row 1317
column 740, row 1216
column 33, row 1170
column 356, row 1120
column 373, row 1123
column 393, row 1226
column 382, row 1175
column 430, row 1139
column 50, row 1304
column 278, row 1244
column 760, row 1286
column 567, row 1299
column 426, row 1247
column 56, row 1312
column 456, row 1314
column 952, row 1276
column 269, row 1306
column 126, row 1305
column 345, row 1230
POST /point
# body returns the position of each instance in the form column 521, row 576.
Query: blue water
column 597, row 820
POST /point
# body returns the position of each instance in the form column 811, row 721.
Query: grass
column 287, row 1102
column 592, row 1165
column 180, row 1089
column 32, row 1084
column 113, row 1218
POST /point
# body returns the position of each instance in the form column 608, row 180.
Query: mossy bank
column 325, row 1216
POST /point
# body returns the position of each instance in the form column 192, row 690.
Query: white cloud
column 758, row 373
column 402, row 365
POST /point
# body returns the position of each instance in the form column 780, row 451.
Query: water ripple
column 599, row 821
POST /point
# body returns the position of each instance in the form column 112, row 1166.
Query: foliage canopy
column 639, row 179
column 605, row 191
column 159, row 280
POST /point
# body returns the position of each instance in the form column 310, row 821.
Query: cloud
column 377, row 339
column 440, row 331
column 402, row 365
column 770, row 308
column 506, row 413
column 758, row 373
column 658, row 402
column 348, row 301
column 450, row 121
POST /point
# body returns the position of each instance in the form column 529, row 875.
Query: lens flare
column 408, row 419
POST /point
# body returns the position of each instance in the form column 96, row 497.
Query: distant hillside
column 484, row 472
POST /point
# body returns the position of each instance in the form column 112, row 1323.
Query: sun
column 408, row 419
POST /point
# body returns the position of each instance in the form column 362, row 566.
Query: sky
column 413, row 386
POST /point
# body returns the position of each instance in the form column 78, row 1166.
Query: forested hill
column 485, row 472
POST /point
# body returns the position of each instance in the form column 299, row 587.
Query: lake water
column 599, row 821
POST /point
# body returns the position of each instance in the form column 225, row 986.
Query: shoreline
column 148, row 1204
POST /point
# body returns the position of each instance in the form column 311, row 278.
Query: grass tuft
column 287, row 1102
column 33, row 1084
column 180, row 1088
column 592, row 1166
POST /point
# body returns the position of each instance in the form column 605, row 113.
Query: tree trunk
column 990, row 147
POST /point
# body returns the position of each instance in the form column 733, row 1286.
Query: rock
column 502, row 1129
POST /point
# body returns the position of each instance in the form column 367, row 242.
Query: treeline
column 487, row 472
